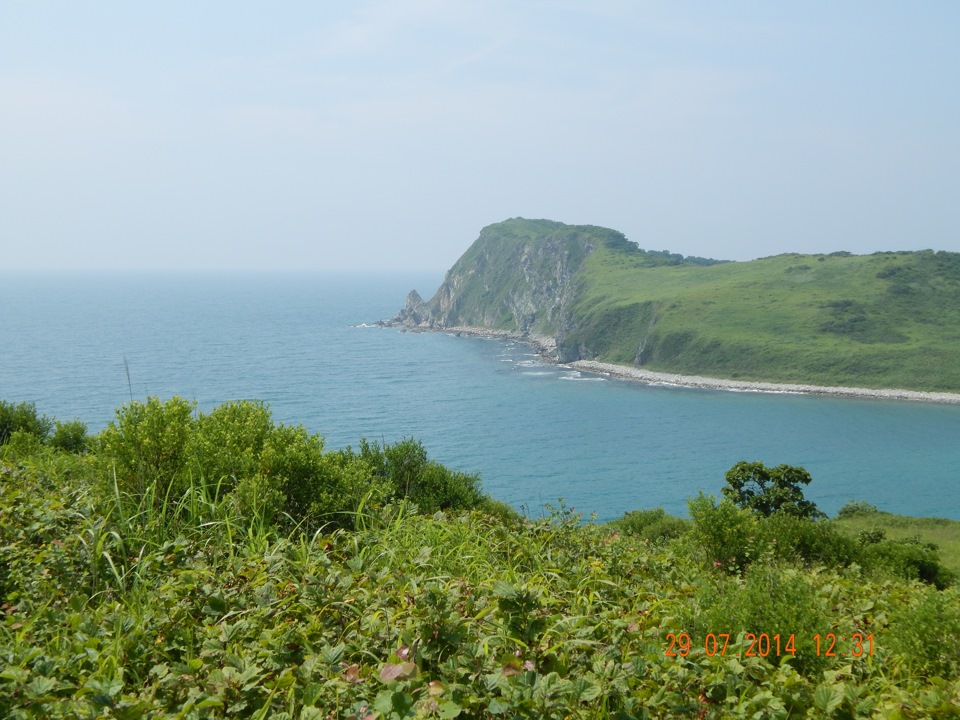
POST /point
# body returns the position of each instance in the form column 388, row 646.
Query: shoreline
column 547, row 347
column 650, row 377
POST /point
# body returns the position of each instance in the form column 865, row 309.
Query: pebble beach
column 546, row 346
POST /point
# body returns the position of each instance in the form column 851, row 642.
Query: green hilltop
column 886, row 320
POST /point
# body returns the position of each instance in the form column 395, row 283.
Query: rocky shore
column 635, row 374
column 547, row 347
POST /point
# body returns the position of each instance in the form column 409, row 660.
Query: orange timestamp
column 767, row 645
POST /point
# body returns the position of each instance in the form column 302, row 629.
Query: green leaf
column 40, row 686
column 384, row 702
column 497, row 707
column 333, row 655
column 449, row 709
column 17, row 674
column 110, row 688
column 584, row 690
column 828, row 698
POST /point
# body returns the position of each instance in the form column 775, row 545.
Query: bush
column 726, row 534
column 926, row 635
column 147, row 447
column 292, row 462
column 908, row 559
column 22, row 417
column 857, row 507
column 21, row 444
column 228, row 443
column 71, row 437
column 769, row 600
column 498, row 509
column 812, row 542
column 440, row 488
column 652, row 525
column 409, row 474
column 871, row 536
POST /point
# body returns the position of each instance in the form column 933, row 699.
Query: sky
column 382, row 135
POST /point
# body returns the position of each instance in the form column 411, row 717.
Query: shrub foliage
column 278, row 579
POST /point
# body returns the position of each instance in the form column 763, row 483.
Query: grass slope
column 943, row 533
column 885, row 320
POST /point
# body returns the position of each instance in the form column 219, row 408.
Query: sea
column 82, row 345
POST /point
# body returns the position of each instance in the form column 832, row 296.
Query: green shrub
column 22, row 417
column 439, row 488
column 726, row 534
column 411, row 475
column 654, row 525
column 856, row 507
column 770, row 490
column 293, row 463
column 908, row 559
column 147, row 445
column 811, row 542
column 70, row 436
column 768, row 600
column 499, row 510
column 228, row 442
column 871, row 536
column 257, row 501
column 926, row 634
column 21, row 444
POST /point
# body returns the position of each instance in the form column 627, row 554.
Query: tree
column 770, row 490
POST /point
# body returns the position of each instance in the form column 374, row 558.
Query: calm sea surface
column 533, row 432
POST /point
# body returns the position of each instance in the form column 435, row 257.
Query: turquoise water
column 533, row 432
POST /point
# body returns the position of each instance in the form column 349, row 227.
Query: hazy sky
column 385, row 134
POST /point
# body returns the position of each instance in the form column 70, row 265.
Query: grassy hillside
column 943, row 533
column 888, row 320
column 200, row 601
column 884, row 320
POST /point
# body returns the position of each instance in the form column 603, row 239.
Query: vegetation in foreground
column 200, row 566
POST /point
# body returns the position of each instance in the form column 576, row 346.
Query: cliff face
column 518, row 276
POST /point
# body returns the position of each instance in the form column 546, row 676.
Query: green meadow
column 220, row 565
column 888, row 320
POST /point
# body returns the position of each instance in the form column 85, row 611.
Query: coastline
column 649, row 377
column 547, row 347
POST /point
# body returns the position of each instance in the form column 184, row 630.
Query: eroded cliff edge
column 518, row 279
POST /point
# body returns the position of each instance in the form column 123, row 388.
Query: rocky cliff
column 517, row 277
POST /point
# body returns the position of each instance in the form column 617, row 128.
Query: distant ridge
column 887, row 320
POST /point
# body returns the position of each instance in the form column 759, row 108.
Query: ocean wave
column 575, row 375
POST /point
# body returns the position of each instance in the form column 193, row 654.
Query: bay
column 534, row 432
